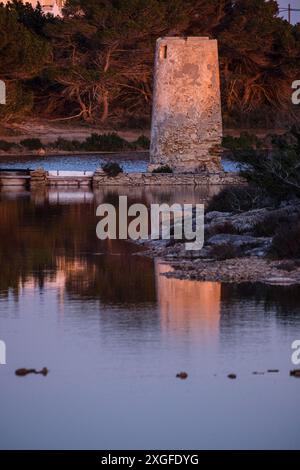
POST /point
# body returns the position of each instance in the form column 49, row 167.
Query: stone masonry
column 221, row 178
column 186, row 119
column 41, row 178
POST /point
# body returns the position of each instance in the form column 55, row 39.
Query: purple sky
column 294, row 4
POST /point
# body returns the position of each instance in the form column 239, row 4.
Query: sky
column 294, row 4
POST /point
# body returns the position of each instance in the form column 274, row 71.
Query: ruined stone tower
column 186, row 119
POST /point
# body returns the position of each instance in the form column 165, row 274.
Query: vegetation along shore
column 252, row 232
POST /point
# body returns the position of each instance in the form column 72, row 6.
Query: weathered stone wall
column 186, row 121
column 39, row 177
column 165, row 179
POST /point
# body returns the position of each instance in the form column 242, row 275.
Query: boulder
column 236, row 240
column 213, row 215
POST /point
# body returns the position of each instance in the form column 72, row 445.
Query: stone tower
column 186, row 118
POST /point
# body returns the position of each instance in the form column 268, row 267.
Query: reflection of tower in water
column 187, row 306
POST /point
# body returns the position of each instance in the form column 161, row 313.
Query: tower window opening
column 163, row 52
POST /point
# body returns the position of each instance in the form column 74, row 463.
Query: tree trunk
column 105, row 107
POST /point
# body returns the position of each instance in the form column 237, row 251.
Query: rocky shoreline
column 237, row 270
column 239, row 256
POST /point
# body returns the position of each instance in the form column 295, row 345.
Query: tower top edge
column 185, row 39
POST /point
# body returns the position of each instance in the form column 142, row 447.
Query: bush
column 278, row 171
column 32, row 144
column 286, row 242
column 19, row 101
column 111, row 142
column 272, row 223
column 142, row 142
column 4, row 145
column 163, row 169
column 238, row 199
column 225, row 251
column 284, row 141
column 67, row 145
column 246, row 141
column 112, row 169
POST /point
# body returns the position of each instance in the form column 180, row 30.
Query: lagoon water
column 114, row 332
column 130, row 162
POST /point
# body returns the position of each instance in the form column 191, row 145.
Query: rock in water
column 23, row 371
column 231, row 376
column 182, row 375
column 44, row 371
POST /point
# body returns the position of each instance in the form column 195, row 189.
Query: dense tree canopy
column 96, row 63
column 23, row 56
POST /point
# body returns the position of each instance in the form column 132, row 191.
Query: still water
column 130, row 162
column 114, row 332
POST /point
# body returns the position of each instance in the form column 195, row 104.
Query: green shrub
column 142, row 142
column 246, row 141
column 67, row 145
column 238, row 199
column 272, row 223
column 111, row 142
column 4, row 145
column 32, row 144
column 277, row 171
column 286, row 242
column 112, row 169
column 101, row 143
column 284, row 141
column 163, row 169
